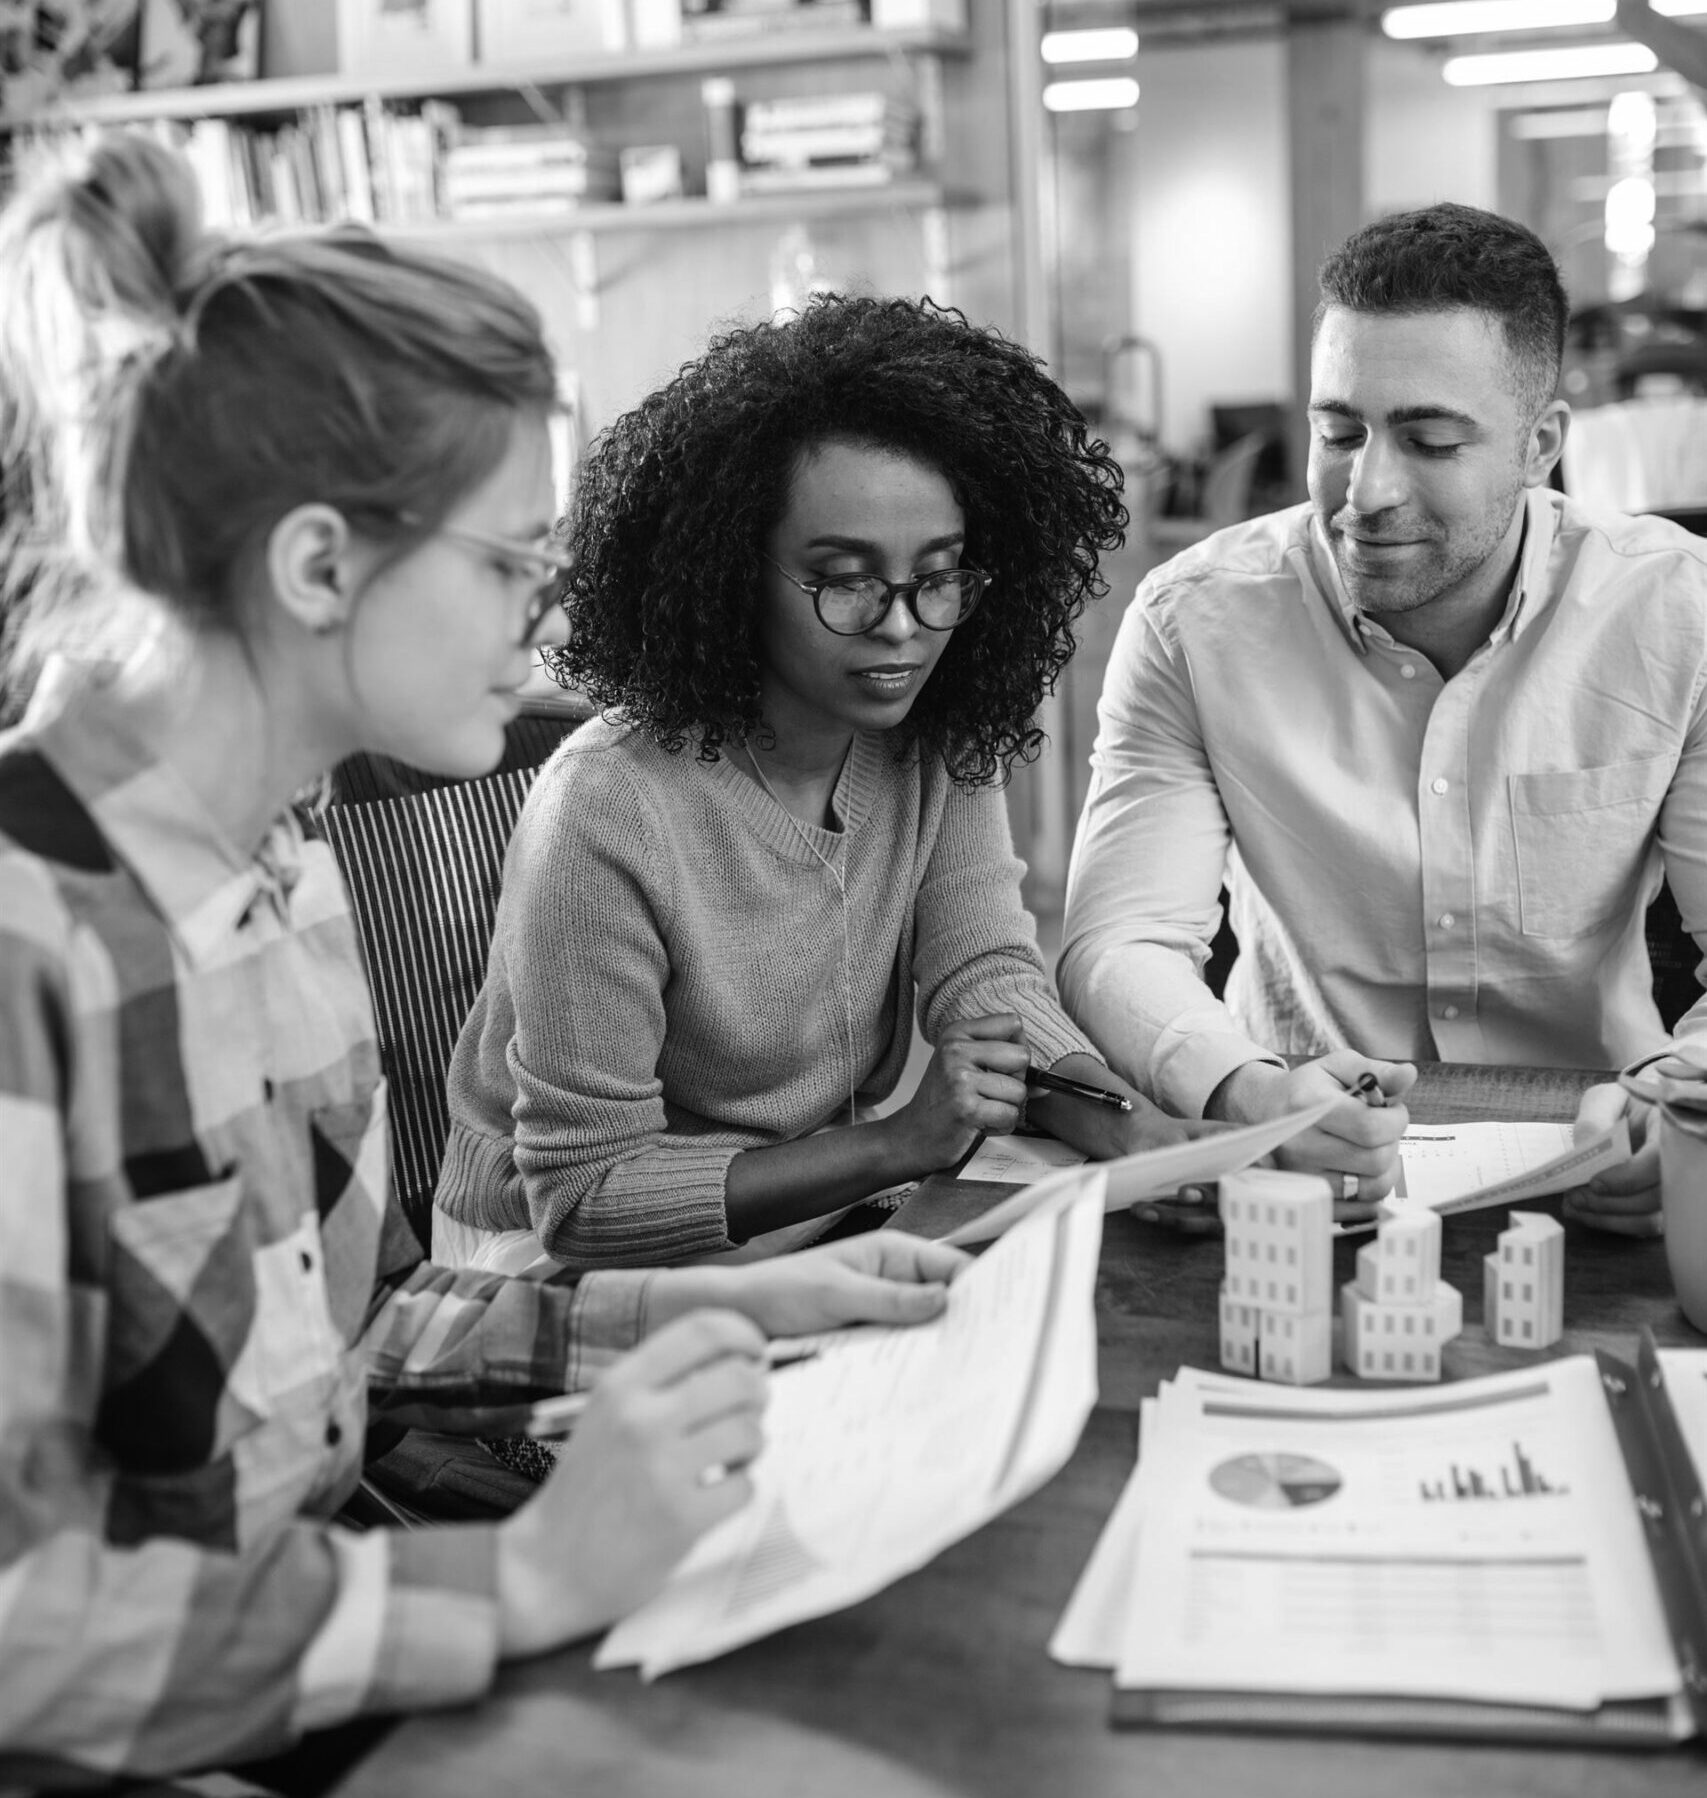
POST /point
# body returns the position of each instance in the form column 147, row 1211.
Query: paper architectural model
column 1523, row 1283
column 1277, row 1298
column 1398, row 1312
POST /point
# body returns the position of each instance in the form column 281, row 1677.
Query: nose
column 898, row 623
column 1377, row 482
column 552, row 631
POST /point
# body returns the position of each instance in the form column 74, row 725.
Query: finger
column 867, row 1299
column 1629, row 1202
column 720, row 1448
column 996, row 1054
column 690, row 1342
column 896, row 1255
column 998, row 1025
column 1641, row 1173
column 1644, row 1223
column 732, row 1387
column 1598, row 1110
column 1395, row 1078
column 1362, row 1126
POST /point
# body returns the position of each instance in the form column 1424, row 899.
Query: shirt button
column 1449, row 1011
column 1408, row 670
column 334, row 1435
column 268, row 1090
column 1447, row 920
column 1438, row 785
column 307, row 1262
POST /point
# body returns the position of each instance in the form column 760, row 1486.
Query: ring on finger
column 1349, row 1187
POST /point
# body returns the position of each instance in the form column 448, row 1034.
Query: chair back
column 423, row 858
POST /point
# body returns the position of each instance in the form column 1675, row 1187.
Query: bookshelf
column 294, row 93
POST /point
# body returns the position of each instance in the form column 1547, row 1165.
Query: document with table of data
column 893, row 1443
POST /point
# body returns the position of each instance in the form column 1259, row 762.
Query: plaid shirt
column 202, row 1280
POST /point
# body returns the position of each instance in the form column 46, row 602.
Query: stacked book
column 717, row 19
column 512, row 169
column 827, row 140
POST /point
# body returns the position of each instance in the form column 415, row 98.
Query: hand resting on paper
column 1623, row 1199
column 882, row 1277
column 1352, row 1138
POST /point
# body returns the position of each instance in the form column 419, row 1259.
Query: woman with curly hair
column 821, row 581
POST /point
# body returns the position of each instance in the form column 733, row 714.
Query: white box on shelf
column 405, row 37
column 651, row 172
column 654, row 24
column 916, row 15
column 520, row 30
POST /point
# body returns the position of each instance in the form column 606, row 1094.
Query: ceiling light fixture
column 1107, row 95
column 1465, row 18
column 1572, row 63
column 1114, row 43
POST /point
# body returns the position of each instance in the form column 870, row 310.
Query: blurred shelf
column 233, row 99
column 690, row 213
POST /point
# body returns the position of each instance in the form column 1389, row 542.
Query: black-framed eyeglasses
column 852, row 604
column 546, row 555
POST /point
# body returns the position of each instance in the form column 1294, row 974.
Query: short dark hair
column 678, row 497
column 1446, row 256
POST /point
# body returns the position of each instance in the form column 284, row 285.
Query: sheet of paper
column 1018, row 1160
column 1470, row 1541
column 1090, row 1629
column 1151, row 1172
column 1686, row 1383
column 894, row 1443
column 1465, row 1167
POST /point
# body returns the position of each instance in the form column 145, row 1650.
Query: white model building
column 1277, row 1298
column 1523, row 1283
column 1398, row 1313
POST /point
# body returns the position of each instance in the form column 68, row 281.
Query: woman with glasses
column 821, row 581
column 287, row 500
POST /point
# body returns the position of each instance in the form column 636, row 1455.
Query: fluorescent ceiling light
column 1091, row 96
column 1116, row 43
column 1464, row 18
column 1571, row 63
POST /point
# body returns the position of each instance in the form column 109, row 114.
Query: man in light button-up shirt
column 1440, row 730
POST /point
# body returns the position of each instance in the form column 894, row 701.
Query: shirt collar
column 202, row 884
column 1529, row 591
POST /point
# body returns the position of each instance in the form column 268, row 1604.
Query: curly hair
column 678, row 498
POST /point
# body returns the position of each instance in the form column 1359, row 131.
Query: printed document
column 1467, row 1167
column 1473, row 1541
column 894, row 1443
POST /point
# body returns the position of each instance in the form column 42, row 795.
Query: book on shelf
column 1520, row 1557
column 821, row 176
column 800, row 111
column 802, row 15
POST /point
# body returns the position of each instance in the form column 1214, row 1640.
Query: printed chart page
column 894, row 1443
column 1477, row 1541
column 1465, row 1167
column 1686, row 1384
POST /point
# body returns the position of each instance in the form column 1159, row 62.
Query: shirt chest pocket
column 1580, row 837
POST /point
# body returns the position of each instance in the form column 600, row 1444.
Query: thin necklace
column 834, row 869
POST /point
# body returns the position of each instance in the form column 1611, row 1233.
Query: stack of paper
column 1473, row 1543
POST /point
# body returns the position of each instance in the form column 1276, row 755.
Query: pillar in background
column 1326, row 89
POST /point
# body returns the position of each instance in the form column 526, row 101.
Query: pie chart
column 1277, row 1482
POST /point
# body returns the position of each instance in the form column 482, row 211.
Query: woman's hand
column 882, row 1277
column 656, row 1459
column 975, row 1084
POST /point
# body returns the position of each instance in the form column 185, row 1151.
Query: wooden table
column 941, row 1687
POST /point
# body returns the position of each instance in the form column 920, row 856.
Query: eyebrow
column 862, row 545
column 1402, row 415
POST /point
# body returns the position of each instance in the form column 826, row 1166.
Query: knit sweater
column 666, row 983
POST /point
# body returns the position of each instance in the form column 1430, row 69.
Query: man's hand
column 1624, row 1199
column 882, row 1277
column 1352, row 1138
column 654, row 1462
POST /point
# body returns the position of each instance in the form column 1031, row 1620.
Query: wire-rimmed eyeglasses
column 546, row 555
column 852, row 604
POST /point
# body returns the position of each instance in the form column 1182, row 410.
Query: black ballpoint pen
column 1059, row 1083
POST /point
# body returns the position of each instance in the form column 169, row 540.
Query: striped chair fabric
column 423, row 869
